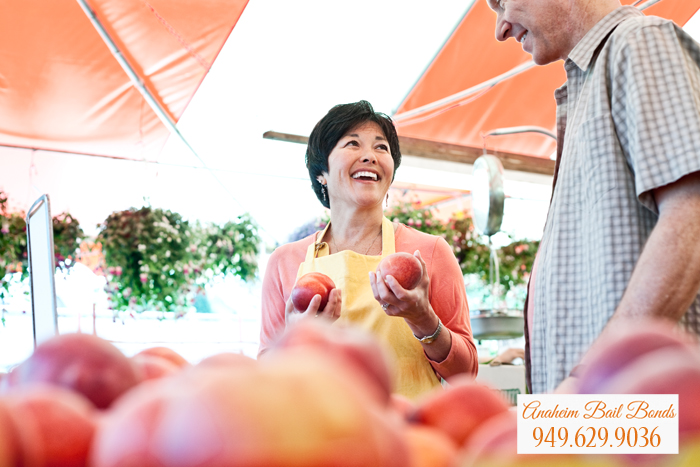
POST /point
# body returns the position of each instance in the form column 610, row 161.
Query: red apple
column 309, row 285
column 404, row 267
column 81, row 362
column 166, row 353
column 460, row 409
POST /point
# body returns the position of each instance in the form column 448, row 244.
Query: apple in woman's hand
column 309, row 285
column 404, row 267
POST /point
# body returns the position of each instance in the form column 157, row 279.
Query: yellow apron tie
column 350, row 272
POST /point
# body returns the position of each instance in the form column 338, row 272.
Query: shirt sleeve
column 448, row 298
column 656, row 79
column 273, row 303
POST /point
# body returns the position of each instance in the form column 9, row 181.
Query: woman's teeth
column 371, row 175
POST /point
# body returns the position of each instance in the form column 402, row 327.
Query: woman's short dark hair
column 337, row 123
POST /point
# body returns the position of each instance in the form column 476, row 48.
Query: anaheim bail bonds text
column 597, row 410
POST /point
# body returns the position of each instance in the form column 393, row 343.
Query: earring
column 387, row 200
column 323, row 190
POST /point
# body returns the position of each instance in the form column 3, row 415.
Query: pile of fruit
column 321, row 397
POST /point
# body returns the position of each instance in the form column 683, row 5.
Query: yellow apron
column 350, row 271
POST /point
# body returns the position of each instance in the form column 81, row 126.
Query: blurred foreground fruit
column 430, row 447
column 495, row 444
column 309, row 285
column 9, row 443
column 292, row 409
column 351, row 348
column 630, row 341
column 53, row 427
column 81, row 362
column 166, row 353
column 225, row 359
column 404, row 267
column 460, row 409
column 153, row 367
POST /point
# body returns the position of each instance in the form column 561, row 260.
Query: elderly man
column 622, row 238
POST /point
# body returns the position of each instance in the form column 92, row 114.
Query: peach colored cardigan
column 447, row 294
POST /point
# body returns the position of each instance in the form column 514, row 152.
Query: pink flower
column 143, row 277
column 410, row 222
column 118, row 270
column 419, row 223
column 455, row 238
column 428, row 222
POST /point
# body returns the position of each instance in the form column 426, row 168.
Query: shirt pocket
column 600, row 157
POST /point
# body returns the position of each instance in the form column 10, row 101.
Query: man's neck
column 585, row 14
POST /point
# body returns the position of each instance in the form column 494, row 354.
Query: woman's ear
column 321, row 179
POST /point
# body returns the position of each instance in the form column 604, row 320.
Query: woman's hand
column 412, row 305
column 331, row 312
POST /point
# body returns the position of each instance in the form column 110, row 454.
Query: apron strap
column 317, row 245
column 388, row 244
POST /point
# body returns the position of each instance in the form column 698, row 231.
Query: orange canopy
column 62, row 89
column 472, row 56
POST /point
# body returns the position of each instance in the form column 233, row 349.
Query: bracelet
column 431, row 338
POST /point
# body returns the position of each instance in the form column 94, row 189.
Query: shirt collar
column 582, row 54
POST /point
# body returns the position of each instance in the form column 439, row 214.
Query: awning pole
column 136, row 80
column 479, row 87
column 463, row 94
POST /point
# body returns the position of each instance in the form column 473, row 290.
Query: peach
column 404, row 267
column 285, row 411
column 153, row 367
column 166, row 353
column 430, row 447
column 9, row 441
column 460, row 409
column 402, row 405
column 352, row 349
column 309, row 285
column 81, row 362
column 665, row 371
column 495, row 444
column 225, row 359
column 629, row 341
column 54, row 426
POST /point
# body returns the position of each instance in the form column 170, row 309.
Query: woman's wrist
column 427, row 326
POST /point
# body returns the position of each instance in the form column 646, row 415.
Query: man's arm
column 666, row 278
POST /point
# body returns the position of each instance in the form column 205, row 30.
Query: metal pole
column 135, row 78
column 463, row 94
column 521, row 129
column 139, row 84
column 486, row 84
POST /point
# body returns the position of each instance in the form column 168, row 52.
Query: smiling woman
column 352, row 156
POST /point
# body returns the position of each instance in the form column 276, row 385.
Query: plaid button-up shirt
column 628, row 122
